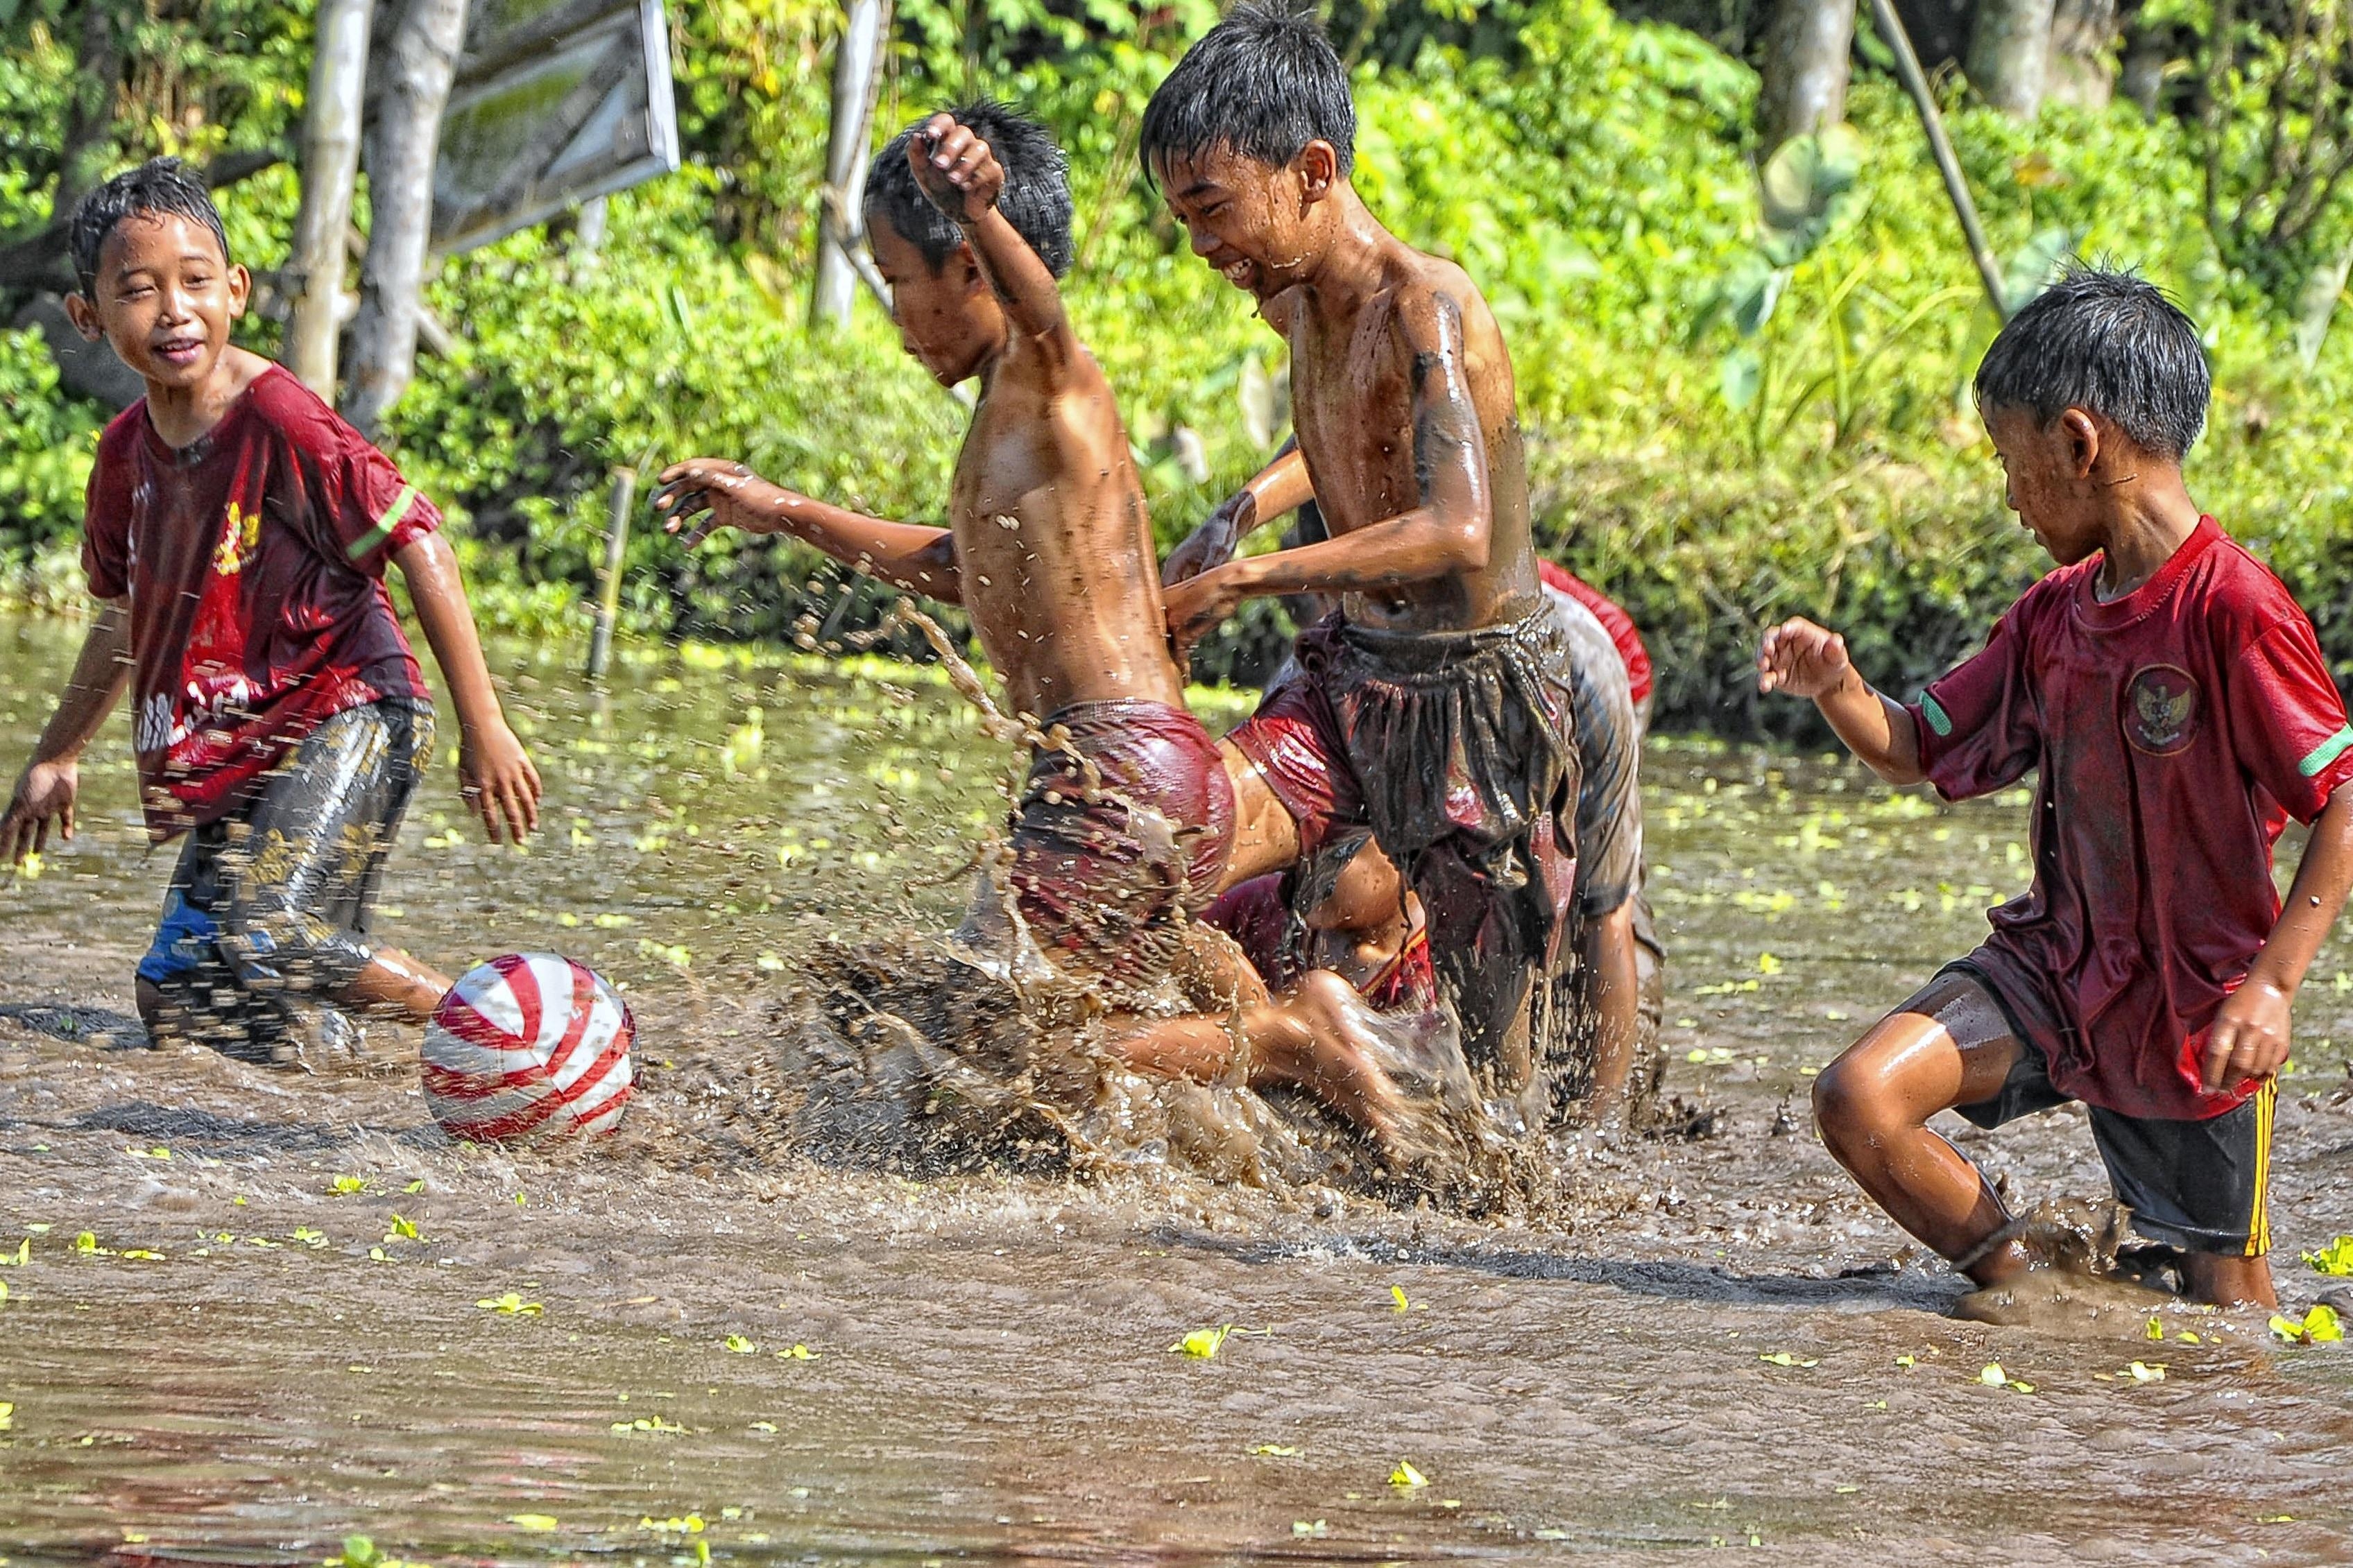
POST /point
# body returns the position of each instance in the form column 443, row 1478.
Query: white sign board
column 557, row 102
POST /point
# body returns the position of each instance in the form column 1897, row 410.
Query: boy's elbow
column 1469, row 543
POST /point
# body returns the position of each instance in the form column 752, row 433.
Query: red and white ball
column 532, row 1046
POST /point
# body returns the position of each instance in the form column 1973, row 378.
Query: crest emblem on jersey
column 2161, row 709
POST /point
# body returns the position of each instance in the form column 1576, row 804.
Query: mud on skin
column 1622, row 1368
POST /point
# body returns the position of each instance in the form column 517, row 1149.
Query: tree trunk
column 2083, row 37
column 413, row 89
column 1806, row 55
column 2010, row 54
column 841, row 222
column 313, row 277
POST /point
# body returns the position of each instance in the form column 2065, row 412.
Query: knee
column 1851, row 1103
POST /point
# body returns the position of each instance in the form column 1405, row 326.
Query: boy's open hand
column 955, row 169
column 497, row 782
column 46, row 791
column 719, row 494
column 2249, row 1037
column 1212, row 543
column 1802, row 659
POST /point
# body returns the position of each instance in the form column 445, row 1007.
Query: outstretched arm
column 1449, row 532
column 728, row 495
column 47, row 789
column 1807, row 661
column 495, row 776
column 2249, row 1037
column 959, row 172
column 1281, row 487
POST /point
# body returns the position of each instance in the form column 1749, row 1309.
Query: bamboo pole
column 1940, row 146
column 609, row 581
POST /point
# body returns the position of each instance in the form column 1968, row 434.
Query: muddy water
column 988, row 1374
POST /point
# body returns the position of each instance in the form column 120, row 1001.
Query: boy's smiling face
column 1254, row 222
column 947, row 316
column 164, row 298
column 2049, row 471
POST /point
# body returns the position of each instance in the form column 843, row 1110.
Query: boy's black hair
column 2108, row 342
column 1036, row 199
column 1264, row 82
column 157, row 186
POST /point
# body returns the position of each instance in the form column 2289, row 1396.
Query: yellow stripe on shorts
column 2258, row 1221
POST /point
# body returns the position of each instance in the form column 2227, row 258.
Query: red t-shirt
column 2173, row 731
column 1615, row 621
column 254, row 559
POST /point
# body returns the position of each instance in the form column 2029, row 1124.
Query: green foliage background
column 1595, row 174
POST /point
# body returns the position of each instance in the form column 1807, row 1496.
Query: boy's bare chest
column 1352, row 403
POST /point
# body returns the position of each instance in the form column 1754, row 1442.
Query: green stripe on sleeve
column 384, row 525
column 2327, row 752
column 1942, row 721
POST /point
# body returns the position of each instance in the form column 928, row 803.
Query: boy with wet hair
column 236, row 538
column 2172, row 701
column 1123, row 826
column 1439, row 706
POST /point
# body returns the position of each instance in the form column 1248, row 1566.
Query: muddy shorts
column 2198, row 1185
column 269, row 906
column 1119, row 837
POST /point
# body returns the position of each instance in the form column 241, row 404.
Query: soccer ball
column 532, row 1046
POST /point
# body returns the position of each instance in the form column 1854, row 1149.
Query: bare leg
column 1614, row 986
column 2227, row 1279
column 1265, row 837
column 395, row 985
column 1947, row 1046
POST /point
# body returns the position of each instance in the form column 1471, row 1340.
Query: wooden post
column 857, row 77
column 609, row 581
column 1907, row 66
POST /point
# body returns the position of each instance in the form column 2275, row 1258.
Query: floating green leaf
column 1405, row 1476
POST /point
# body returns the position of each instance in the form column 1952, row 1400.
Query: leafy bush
column 1724, row 428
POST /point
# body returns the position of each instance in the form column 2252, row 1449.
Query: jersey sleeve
column 369, row 510
column 1975, row 724
column 106, row 526
column 2287, row 722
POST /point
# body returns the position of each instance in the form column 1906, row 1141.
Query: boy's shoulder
column 2239, row 596
column 278, row 399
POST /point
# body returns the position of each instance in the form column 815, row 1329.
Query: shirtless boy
column 1438, row 708
column 2172, row 701
column 1049, row 551
column 237, row 540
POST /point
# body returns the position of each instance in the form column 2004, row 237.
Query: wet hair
column 1036, row 199
column 1263, row 83
column 2109, row 342
column 155, row 188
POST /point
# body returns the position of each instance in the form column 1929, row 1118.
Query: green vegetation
column 1728, row 425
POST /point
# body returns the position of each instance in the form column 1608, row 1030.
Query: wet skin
column 2079, row 486
column 1402, row 396
column 1049, row 547
column 1050, row 551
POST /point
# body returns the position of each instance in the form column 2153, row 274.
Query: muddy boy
column 2172, row 703
column 237, row 540
column 1439, row 709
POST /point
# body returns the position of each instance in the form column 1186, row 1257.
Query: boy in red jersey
column 236, row 538
column 2172, row 700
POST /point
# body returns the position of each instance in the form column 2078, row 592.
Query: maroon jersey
column 2173, row 731
column 254, row 560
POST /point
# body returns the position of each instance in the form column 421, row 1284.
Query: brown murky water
column 1703, row 1347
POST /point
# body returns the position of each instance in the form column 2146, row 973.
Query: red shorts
column 1120, row 835
column 1257, row 915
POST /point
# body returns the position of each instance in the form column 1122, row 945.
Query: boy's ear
column 1318, row 165
column 2085, row 440
column 85, row 317
column 240, row 289
column 966, row 266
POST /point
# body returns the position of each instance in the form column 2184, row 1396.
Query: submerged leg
column 1948, row 1046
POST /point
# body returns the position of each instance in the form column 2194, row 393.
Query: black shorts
column 2198, row 1185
